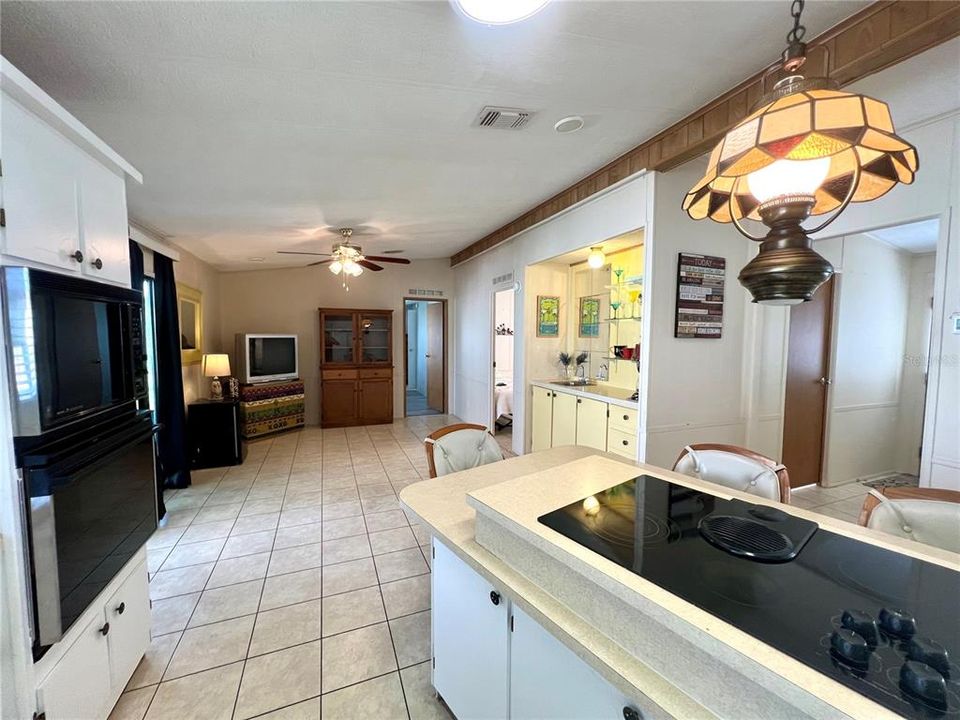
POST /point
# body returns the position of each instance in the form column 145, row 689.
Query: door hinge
column 511, row 623
column 433, row 552
column 39, row 716
column 920, row 451
column 3, row 217
column 434, row 662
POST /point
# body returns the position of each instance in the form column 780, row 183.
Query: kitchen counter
column 686, row 661
column 605, row 393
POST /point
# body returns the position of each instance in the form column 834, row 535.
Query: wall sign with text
column 700, row 281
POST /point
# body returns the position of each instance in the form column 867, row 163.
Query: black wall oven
column 75, row 349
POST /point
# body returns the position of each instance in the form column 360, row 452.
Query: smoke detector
column 503, row 118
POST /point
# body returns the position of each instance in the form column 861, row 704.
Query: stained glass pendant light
column 807, row 149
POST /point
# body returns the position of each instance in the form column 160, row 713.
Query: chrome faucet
column 602, row 372
column 582, row 371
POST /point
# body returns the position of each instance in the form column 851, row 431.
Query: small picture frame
column 548, row 316
column 589, row 324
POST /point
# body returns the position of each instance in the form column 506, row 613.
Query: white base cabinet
column 562, row 418
column 81, row 677
column 492, row 661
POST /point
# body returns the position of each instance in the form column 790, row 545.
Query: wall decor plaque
column 548, row 316
column 700, row 282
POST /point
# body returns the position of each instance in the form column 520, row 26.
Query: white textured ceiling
column 257, row 124
column 918, row 237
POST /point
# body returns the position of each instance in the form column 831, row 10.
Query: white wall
column 286, row 301
column 609, row 214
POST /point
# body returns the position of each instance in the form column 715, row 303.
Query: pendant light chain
column 796, row 34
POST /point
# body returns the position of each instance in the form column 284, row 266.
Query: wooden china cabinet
column 356, row 367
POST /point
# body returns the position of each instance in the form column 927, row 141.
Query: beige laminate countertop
column 605, row 393
column 518, row 490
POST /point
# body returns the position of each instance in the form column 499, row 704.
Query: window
column 150, row 342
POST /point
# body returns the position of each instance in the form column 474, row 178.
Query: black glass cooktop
column 884, row 624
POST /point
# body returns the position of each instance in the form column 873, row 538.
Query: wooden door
column 338, row 405
column 434, row 357
column 375, row 404
column 592, row 423
column 564, row 426
column 808, row 367
column 542, row 422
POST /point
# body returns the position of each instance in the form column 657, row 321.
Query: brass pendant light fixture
column 806, row 149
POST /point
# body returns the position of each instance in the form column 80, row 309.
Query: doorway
column 503, row 337
column 424, row 341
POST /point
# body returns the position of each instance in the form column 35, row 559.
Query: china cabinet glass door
column 339, row 340
column 375, row 338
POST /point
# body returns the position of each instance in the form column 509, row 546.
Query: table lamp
column 216, row 365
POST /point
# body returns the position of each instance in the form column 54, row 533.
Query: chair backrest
column 928, row 515
column 460, row 447
column 735, row 467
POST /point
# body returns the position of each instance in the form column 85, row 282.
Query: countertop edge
column 585, row 393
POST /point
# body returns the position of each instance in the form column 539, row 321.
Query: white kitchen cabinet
column 547, row 680
column 564, row 426
column 79, row 686
column 542, row 422
column 128, row 612
column 103, row 223
column 470, row 639
column 592, row 423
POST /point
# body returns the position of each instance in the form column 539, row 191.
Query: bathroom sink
column 575, row 382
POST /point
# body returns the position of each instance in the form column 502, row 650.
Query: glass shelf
column 633, row 318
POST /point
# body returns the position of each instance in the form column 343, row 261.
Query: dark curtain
column 174, row 466
column 136, row 282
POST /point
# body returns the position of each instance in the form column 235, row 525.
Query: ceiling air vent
column 503, row 118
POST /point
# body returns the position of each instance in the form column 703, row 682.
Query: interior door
column 805, row 406
column 435, row 399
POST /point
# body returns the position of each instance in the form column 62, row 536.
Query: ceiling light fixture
column 568, row 124
column 596, row 258
column 346, row 259
column 807, row 149
column 499, row 12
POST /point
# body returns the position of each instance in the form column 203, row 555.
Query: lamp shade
column 799, row 130
column 216, row 365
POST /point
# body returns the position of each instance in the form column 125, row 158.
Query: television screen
column 272, row 356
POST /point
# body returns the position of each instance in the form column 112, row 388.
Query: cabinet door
column 103, row 214
column 375, row 333
column 470, row 640
column 592, row 423
column 79, row 685
column 339, row 338
column 548, row 680
column 542, row 424
column 128, row 612
column 40, row 190
column 564, row 419
column 338, row 405
column 376, row 401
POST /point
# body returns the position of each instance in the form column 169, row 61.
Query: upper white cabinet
column 63, row 189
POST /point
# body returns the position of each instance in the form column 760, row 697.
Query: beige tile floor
column 842, row 502
column 293, row 585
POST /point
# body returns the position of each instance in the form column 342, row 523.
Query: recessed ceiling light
column 568, row 124
column 499, row 12
column 255, row 259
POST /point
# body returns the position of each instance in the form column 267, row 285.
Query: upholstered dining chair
column 460, row 447
column 737, row 468
column 928, row 515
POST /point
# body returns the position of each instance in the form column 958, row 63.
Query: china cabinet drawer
column 381, row 373
column 339, row 374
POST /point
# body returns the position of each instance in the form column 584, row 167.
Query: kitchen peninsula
column 529, row 621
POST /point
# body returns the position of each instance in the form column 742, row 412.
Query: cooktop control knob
column 897, row 622
column 930, row 653
column 923, row 682
column 850, row 647
column 862, row 624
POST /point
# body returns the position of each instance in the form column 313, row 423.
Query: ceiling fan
column 346, row 259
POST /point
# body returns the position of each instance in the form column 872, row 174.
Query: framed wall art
column 589, row 324
column 548, row 316
column 700, row 280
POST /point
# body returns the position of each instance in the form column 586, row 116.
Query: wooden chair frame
column 437, row 434
column 783, row 477
column 905, row 493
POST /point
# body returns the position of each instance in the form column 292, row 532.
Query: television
column 263, row 358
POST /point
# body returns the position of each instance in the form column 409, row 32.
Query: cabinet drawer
column 624, row 419
column 366, row 373
column 339, row 374
column 622, row 443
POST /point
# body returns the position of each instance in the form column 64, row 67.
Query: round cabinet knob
column 626, row 417
column 850, row 647
column 105, row 629
column 929, row 653
column 862, row 624
column 923, row 682
column 897, row 622
column 494, row 597
column 98, row 264
column 120, row 608
column 78, row 256
column 631, row 713
column 625, row 442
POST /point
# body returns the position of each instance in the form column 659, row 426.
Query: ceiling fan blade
column 369, row 265
column 300, row 252
column 381, row 258
column 320, row 262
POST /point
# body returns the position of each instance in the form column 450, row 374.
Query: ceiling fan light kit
column 806, row 149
